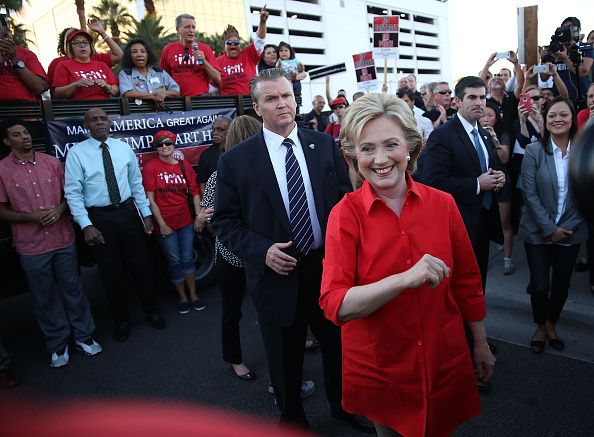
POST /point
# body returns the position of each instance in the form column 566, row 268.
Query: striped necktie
column 298, row 210
column 112, row 183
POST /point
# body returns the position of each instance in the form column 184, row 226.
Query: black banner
column 193, row 130
column 328, row 70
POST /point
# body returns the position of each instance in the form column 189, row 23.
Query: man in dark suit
column 273, row 197
column 460, row 158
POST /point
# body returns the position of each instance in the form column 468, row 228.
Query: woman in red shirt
column 400, row 278
column 82, row 78
column 168, row 184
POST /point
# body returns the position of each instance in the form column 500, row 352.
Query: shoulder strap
column 183, row 170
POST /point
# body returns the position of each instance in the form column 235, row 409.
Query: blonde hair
column 372, row 106
column 240, row 130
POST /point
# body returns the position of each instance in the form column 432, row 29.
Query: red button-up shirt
column 407, row 365
column 29, row 186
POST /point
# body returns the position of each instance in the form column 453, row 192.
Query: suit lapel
column 550, row 161
column 314, row 167
column 468, row 145
column 262, row 167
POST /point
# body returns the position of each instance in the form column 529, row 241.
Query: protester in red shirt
column 81, row 78
column 190, row 63
column 32, row 201
column 400, row 279
column 169, row 185
column 112, row 58
column 239, row 66
column 21, row 75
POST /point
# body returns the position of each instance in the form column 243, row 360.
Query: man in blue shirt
column 104, row 191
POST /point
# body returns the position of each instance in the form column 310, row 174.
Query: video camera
column 561, row 39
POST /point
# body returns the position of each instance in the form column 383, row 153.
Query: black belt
column 111, row 207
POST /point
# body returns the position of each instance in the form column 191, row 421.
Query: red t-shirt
column 51, row 70
column 191, row 77
column 71, row 70
column 237, row 73
column 582, row 117
column 333, row 129
column 11, row 85
column 168, row 184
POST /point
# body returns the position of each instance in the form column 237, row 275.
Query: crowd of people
column 304, row 213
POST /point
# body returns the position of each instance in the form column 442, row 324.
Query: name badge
column 154, row 80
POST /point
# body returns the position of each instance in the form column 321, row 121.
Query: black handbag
column 189, row 197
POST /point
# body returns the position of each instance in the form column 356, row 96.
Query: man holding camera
column 571, row 59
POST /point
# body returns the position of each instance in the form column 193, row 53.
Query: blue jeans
column 178, row 248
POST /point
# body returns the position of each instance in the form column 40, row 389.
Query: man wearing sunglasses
column 441, row 111
column 239, row 66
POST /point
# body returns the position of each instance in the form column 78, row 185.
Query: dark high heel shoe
column 250, row 376
column 537, row 346
column 557, row 344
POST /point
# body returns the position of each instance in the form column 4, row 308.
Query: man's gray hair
column 270, row 74
column 223, row 118
column 317, row 97
column 433, row 85
column 179, row 18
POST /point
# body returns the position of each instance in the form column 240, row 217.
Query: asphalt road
column 548, row 395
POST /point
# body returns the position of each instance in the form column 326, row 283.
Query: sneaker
column 89, row 347
column 60, row 358
column 307, row 388
column 183, row 308
column 508, row 266
column 198, row 305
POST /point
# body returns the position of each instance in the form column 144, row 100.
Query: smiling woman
column 384, row 303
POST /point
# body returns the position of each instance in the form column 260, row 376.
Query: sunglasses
column 444, row 92
column 340, row 107
column 232, row 42
column 536, row 98
column 424, row 94
column 164, row 143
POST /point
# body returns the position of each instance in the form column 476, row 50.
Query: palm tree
column 151, row 30
column 80, row 11
column 113, row 16
column 19, row 34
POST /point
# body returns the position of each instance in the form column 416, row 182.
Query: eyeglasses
column 232, row 42
column 80, row 43
column 444, row 92
column 536, row 98
column 340, row 107
column 424, row 94
column 164, row 143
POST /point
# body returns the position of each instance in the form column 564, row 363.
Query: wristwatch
column 20, row 64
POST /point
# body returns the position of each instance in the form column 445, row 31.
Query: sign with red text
column 365, row 71
column 385, row 36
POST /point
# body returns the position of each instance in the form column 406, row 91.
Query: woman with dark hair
column 82, row 78
column 170, row 185
column 293, row 67
column 551, row 226
column 269, row 57
column 493, row 123
column 140, row 79
column 229, row 267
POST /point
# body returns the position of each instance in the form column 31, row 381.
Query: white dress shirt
column 277, row 153
column 561, row 168
column 468, row 128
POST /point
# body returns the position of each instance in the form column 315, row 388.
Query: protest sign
column 385, row 36
column 365, row 71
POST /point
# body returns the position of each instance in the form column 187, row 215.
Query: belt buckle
column 116, row 205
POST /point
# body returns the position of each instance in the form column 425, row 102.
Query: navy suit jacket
column 449, row 162
column 250, row 215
